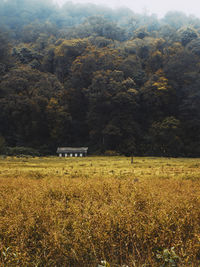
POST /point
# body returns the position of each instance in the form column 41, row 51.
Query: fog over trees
column 113, row 80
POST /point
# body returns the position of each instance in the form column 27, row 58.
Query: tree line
column 114, row 80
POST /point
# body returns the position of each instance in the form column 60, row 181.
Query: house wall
column 74, row 154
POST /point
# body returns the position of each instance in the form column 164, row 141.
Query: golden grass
column 79, row 211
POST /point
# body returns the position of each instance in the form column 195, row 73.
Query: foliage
column 88, row 75
column 169, row 257
column 2, row 145
column 21, row 151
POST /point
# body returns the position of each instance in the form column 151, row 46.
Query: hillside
column 110, row 79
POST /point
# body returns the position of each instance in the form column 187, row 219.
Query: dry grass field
column 79, row 211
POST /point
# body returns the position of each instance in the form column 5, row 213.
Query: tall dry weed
column 64, row 221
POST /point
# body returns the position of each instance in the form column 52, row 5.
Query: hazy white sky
column 158, row 7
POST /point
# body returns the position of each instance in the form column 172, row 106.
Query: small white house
column 72, row 151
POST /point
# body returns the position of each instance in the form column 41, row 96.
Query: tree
column 98, row 26
column 175, row 19
column 25, row 95
column 194, row 46
column 2, row 144
column 90, row 61
column 187, row 35
column 158, row 97
column 189, row 114
column 166, row 137
column 110, row 79
column 63, row 54
column 5, row 57
column 113, row 110
column 132, row 67
column 59, row 123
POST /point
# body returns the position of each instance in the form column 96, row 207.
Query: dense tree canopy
column 110, row 79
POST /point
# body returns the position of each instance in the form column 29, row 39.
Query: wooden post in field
column 131, row 159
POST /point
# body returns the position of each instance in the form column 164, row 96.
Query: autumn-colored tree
column 158, row 96
column 91, row 61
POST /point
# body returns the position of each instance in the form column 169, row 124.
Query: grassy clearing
column 79, row 211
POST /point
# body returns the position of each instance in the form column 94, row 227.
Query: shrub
column 22, row 151
column 111, row 153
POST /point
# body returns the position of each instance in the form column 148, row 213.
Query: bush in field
column 168, row 258
column 22, row 151
column 111, row 153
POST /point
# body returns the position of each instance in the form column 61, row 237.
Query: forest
column 110, row 79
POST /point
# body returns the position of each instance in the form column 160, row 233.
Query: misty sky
column 158, row 7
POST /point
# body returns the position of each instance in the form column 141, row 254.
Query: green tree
column 187, row 35
column 63, row 54
column 166, row 137
column 113, row 110
column 2, row 144
column 26, row 94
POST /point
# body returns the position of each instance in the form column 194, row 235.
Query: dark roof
column 72, row 149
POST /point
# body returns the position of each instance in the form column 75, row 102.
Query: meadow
column 80, row 211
